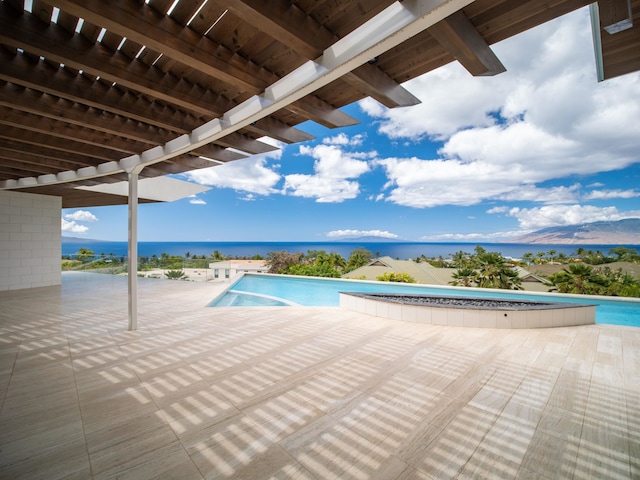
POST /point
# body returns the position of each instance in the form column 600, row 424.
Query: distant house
column 422, row 272
column 532, row 282
column 227, row 269
column 427, row 274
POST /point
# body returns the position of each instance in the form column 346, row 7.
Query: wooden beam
column 218, row 153
column 321, row 112
column 274, row 128
column 292, row 27
column 27, row 32
column 16, row 145
column 246, row 144
column 458, row 35
column 28, row 158
column 615, row 15
column 54, row 143
column 16, row 69
column 66, row 131
column 37, row 103
column 144, row 25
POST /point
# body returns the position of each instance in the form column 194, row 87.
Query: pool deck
column 301, row 392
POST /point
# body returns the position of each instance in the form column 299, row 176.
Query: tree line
column 585, row 272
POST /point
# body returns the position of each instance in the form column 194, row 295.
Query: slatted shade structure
column 91, row 89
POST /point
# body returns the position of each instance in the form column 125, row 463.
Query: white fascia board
column 160, row 189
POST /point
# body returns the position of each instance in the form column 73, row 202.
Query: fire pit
column 470, row 312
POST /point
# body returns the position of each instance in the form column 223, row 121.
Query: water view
column 269, row 290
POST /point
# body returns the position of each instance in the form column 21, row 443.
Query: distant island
column 620, row 232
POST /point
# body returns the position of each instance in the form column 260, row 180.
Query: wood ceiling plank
column 131, row 49
column 55, row 143
column 516, row 17
column 161, row 6
column 90, row 31
column 27, row 169
column 7, row 173
column 67, row 22
column 27, row 158
column 16, row 69
column 144, row 25
column 111, row 40
column 47, row 154
column 184, row 10
column 42, row 11
column 63, row 130
column 51, row 43
column 208, row 15
column 37, row 103
column 458, row 35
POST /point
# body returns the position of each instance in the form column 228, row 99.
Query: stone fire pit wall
column 469, row 312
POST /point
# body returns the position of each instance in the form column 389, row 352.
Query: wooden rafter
column 458, row 35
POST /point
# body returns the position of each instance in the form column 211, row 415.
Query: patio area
column 301, row 392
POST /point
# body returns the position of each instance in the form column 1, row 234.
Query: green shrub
column 396, row 277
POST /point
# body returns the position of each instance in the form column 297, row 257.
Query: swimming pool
column 281, row 290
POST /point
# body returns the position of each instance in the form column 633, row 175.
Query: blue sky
column 481, row 159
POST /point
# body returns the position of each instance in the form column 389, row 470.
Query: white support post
column 132, row 262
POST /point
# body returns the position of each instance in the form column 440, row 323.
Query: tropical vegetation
column 485, row 270
column 584, row 272
column 396, row 277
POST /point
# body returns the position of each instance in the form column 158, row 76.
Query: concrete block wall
column 30, row 240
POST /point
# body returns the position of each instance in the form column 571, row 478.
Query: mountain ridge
column 626, row 231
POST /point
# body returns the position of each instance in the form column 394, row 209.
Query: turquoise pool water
column 274, row 290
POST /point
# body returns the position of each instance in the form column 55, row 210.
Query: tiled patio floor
column 304, row 393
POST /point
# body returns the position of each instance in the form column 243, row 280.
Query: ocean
column 401, row 250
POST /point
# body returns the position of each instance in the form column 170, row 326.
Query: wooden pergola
column 95, row 92
column 85, row 85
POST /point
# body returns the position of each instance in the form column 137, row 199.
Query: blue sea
column 399, row 250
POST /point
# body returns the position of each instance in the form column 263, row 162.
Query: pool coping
column 538, row 315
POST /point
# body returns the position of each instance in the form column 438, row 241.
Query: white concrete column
column 132, row 262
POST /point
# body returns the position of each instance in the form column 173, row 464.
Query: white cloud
column 251, row 175
column 361, row 233
column 332, row 162
column 545, row 118
column 335, row 171
column 498, row 210
column 607, row 194
column 72, row 226
column 470, row 237
column 343, row 139
column 197, row 201
column 558, row 215
column 551, row 195
column 70, row 222
column 324, row 190
column 81, row 216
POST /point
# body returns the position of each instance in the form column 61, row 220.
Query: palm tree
column 528, row 257
column 358, row 258
column 494, row 273
column 337, row 261
column 464, row 276
column 578, row 278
